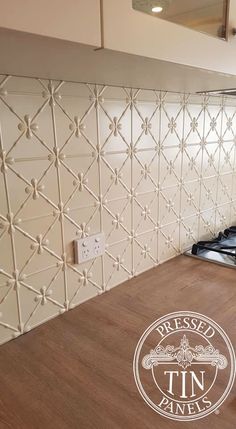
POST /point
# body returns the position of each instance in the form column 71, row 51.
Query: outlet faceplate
column 89, row 247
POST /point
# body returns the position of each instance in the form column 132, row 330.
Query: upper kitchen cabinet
column 72, row 20
column 133, row 31
column 58, row 39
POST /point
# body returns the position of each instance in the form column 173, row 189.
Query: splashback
column 154, row 170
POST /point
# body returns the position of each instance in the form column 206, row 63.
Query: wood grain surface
column 76, row 370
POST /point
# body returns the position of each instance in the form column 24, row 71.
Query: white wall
column 155, row 171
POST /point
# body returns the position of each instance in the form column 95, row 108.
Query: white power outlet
column 89, row 248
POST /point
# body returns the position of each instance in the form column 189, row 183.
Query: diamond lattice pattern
column 154, row 170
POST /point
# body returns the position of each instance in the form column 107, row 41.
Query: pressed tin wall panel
column 155, row 171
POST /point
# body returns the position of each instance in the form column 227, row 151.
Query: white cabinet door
column 74, row 20
column 134, row 32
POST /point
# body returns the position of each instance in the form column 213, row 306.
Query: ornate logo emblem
column 184, row 366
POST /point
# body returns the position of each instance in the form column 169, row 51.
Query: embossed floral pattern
column 155, row 171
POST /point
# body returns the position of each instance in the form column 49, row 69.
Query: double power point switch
column 89, row 248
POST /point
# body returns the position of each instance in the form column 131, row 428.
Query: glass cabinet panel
column 207, row 16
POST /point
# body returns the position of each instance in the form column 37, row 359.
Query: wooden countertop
column 76, row 370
